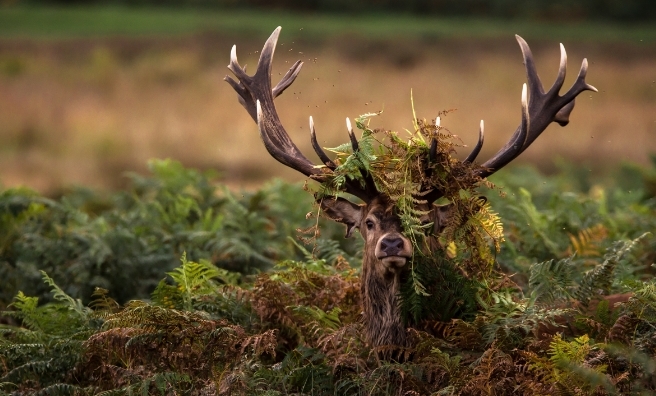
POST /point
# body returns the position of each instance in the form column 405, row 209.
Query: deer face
column 386, row 248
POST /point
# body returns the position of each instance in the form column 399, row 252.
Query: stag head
column 388, row 249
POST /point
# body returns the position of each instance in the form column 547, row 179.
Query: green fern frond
column 59, row 295
column 191, row 280
column 27, row 311
column 599, row 280
column 329, row 320
column 551, row 280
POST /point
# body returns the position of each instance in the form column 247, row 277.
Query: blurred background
column 92, row 89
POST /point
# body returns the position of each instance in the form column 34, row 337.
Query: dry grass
column 85, row 111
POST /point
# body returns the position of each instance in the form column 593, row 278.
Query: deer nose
column 391, row 246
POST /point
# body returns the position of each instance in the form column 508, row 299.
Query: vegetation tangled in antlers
column 398, row 169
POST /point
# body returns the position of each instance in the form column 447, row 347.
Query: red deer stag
column 387, row 249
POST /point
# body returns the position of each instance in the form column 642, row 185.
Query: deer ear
column 342, row 211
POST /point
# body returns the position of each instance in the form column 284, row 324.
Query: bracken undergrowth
column 96, row 304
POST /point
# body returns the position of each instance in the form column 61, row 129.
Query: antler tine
column 287, row 79
column 317, row 148
column 562, row 117
column 234, row 64
column 370, row 185
column 579, row 85
column 427, row 193
column 477, row 149
column 354, row 142
column 539, row 109
column 562, row 71
column 524, row 128
column 534, row 83
column 256, row 95
column 263, row 69
column 432, row 152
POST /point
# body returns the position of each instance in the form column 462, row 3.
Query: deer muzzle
column 394, row 250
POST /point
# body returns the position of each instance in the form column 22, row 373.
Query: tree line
column 545, row 10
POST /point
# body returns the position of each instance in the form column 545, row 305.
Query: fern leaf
column 599, row 280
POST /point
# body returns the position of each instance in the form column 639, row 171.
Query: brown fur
column 381, row 282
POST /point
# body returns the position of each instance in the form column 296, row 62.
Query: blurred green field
column 49, row 22
column 87, row 94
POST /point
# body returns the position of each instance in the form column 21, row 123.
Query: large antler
column 256, row 95
column 539, row 109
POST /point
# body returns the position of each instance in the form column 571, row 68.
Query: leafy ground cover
column 243, row 309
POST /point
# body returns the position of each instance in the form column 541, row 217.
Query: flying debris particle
column 301, row 53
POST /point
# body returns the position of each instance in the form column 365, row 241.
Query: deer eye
column 369, row 224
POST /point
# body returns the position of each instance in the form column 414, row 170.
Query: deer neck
column 380, row 296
